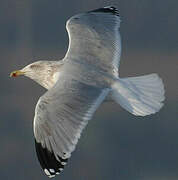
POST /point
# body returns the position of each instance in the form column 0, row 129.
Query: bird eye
column 34, row 66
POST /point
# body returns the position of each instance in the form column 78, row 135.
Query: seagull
column 78, row 84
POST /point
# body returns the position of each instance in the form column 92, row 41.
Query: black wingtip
column 48, row 161
column 108, row 9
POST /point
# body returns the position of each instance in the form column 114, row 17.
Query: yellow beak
column 16, row 73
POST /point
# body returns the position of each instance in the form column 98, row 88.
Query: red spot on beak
column 14, row 74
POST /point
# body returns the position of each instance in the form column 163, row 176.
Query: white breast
column 55, row 77
column 50, row 81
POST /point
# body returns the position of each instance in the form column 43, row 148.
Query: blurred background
column 115, row 145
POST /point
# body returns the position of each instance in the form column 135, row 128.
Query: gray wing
column 60, row 116
column 94, row 36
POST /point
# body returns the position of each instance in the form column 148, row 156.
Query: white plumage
column 141, row 95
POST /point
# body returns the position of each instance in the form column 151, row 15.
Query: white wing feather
column 95, row 37
column 60, row 116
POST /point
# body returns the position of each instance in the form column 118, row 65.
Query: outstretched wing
column 95, row 39
column 60, row 116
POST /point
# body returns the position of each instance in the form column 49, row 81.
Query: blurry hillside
column 115, row 145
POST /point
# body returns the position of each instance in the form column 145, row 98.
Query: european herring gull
column 79, row 83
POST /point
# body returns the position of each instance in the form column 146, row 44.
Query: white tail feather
column 141, row 95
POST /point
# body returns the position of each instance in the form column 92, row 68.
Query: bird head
column 43, row 72
column 30, row 70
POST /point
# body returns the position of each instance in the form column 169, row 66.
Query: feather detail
column 108, row 9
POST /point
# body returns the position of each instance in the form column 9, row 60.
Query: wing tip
column 108, row 9
column 48, row 161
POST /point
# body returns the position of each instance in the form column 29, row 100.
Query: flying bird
column 78, row 84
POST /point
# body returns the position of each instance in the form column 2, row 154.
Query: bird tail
column 141, row 95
